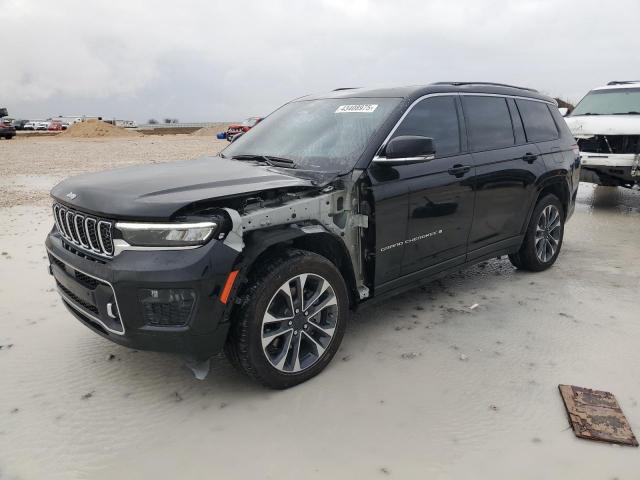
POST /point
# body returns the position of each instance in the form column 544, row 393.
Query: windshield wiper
column 633, row 112
column 268, row 159
column 588, row 113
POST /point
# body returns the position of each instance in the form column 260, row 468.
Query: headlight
column 166, row 234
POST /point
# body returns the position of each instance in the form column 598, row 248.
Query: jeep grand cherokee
column 329, row 202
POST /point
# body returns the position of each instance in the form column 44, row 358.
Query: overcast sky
column 205, row 60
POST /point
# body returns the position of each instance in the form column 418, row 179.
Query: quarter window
column 488, row 122
column 434, row 117
column 538, row 122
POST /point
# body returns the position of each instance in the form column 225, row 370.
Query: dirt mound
column 212, row 130
column 96, row 129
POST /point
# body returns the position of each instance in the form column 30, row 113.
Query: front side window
column 434, row 117
column 618, row 101
column 538, row 122
column 326, row 135
column 488, row 122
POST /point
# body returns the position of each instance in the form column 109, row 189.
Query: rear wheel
column 543, row 239
column 291, row 320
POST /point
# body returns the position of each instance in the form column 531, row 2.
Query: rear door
column 506, row 169
column 541, row 129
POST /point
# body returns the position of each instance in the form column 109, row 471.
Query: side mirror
column 563, row 111
column 407, row 149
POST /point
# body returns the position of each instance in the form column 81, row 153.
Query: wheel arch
column 557, row 186
column 264, row 244
column 560, row 188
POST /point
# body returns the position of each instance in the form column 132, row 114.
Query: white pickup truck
column 606, row 124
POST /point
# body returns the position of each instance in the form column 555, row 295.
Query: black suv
column 330, row 201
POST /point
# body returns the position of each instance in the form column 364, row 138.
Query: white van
column 606, row 124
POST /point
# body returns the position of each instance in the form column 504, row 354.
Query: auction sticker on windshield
column 366, row 108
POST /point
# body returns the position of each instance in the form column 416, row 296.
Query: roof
column 618, row 84
column 417, row 91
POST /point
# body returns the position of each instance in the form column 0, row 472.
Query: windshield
column 325, row 135
column 618, row 101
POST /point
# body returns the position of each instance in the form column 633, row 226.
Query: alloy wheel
column 548, row 231
column 299, row 323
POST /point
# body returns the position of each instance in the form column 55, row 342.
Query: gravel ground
column 29, row 167
column 422, row 387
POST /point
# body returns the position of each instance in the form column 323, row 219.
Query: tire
column 543, row 241
column 297, row 346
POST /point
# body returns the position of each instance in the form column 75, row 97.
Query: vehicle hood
column 156, row 192
column 604, row 125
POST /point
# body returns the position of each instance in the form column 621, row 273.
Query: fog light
column 167, row 306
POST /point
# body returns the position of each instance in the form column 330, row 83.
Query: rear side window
column 538, row 122
column 437, row 118
column 488, row 122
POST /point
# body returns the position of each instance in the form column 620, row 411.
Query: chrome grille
column 92, row 234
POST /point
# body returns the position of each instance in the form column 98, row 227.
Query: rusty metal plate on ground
column 596, row 415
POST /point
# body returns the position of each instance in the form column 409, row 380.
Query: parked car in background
column 606, row 124
column 56, row 126
column 42, row 125
column 29, row 125
column 122, row 123
column 236, row 128
column 7, row 130
column 19, row 124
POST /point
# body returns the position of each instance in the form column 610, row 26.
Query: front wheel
column 290, row 321
column 543, row 239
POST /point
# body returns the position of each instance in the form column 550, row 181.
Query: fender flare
column 552, row 180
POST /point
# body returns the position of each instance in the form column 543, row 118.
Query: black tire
column 244, row 345
column 528, row 257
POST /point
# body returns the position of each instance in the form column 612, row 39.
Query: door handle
column 459, row 170
column 530, row 157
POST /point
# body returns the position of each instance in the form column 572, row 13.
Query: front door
column 440, row 196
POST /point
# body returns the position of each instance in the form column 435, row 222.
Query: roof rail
column 457, row 84
column 622, row 82
column 343, row 88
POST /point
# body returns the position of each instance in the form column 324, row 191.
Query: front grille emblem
column 71, row 196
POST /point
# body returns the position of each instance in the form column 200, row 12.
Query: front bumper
column 105, row 294
column 610, row 168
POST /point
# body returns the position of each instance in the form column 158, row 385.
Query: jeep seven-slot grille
column 91, row 233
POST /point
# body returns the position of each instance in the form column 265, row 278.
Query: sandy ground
column 29, row 167
column 423, row 386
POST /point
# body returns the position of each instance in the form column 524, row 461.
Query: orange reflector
column 228, row 286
